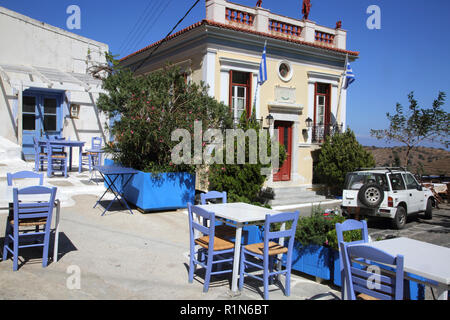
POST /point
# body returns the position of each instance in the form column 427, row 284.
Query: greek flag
column 262, row 76
column 349, row 76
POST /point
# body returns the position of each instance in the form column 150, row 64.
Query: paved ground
column 144, row 256
column 124, row 256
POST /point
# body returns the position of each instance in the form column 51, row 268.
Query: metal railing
column 322, row 131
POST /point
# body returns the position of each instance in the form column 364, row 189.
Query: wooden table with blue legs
column 70, row 144
column 110, row 175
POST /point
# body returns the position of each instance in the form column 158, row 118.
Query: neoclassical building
column 303, row 94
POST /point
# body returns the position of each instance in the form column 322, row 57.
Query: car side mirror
column 419, row 188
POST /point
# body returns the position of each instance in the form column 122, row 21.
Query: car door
column 415, row 196
column 399, row 191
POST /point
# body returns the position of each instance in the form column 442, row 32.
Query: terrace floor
column 140, row 256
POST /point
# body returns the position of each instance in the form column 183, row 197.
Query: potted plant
column 146, row 111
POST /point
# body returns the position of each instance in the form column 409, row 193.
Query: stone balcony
column 262, row 20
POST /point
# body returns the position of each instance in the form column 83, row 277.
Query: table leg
column 55, row 247
column 237, row 255
column 80, row 159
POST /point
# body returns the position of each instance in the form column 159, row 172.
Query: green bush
column 340, row 154
column 318, row 229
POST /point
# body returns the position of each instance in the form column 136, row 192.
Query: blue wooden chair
column 372, row 285
column 93, row 158
column 213, row 251
column 10, row 177
column 29, row 214
column 222, row 230
column 349, row 225
column 40, row 157
column 56, row 159
column 264, row 255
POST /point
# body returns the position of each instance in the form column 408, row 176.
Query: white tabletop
column 421, row 258
column 238, row 211
column 6, row 196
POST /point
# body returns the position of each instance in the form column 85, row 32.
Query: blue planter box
column 165, row 191
column 314, row 260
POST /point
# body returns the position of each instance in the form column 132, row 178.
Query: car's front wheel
column 399, row 220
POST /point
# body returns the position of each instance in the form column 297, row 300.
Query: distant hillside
column 422, row 160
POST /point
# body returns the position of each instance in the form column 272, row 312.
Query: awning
column 20, row 77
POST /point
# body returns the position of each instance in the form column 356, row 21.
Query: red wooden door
column 285, row 138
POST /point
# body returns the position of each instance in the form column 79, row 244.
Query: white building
column 46, row 87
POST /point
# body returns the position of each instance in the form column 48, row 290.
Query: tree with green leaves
column 148, row 108
column 417, row 125
column 341, row 153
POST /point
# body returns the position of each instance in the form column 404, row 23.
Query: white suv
column 386, row 192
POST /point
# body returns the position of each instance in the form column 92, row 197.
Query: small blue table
column 65, row 143
column 110, row 174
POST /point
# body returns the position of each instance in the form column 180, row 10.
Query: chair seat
column 274, row 248
column 225, row 231
column 219, row 243
column 59, row 156
column 364, row 296
column 30, row 222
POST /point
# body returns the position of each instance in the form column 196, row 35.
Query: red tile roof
column 236, row 28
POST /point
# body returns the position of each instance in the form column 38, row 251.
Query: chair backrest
column 52, row 148
column 10, row 177
column 370, row 281
column 213, row 195
column 349, row 225
column 32, row 203
column 36, row 145
column 96, row 143
column 289, row 232
column 198, row 220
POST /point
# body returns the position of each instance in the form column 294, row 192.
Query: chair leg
column 16, row 252
column 191, row 267
column 46, row 244
column 266, row 279
column 208, row 273
column 287, row 284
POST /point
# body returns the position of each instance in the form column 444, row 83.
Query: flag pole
column 342, row 80
column 258, row 84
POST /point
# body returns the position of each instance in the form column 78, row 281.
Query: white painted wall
column 31, row 43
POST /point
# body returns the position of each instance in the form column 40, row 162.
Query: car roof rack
column 390, row 169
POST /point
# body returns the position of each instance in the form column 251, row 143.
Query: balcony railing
column 285, row 28
column 321, row 132
column 239, row 16
column 263, row 21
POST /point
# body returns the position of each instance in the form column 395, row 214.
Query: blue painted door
column 41, row 115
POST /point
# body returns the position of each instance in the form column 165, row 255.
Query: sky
column 408, row 53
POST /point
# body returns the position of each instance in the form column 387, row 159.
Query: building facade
column 47, row 87
column 304, row 91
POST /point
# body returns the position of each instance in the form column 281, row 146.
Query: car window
column 411, row 183
column 397, row 181
column 355, row 180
